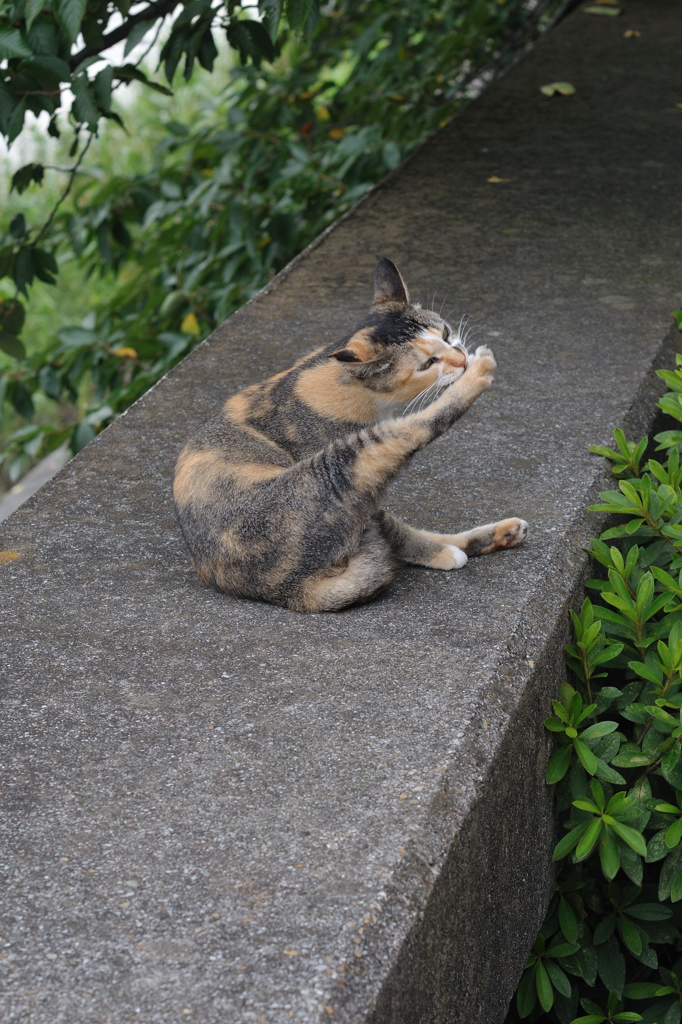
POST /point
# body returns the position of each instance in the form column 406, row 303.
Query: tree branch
column 73, row 171
column 158, row 9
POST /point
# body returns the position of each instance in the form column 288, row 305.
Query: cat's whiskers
column 427, row 395
column 417, row 398
column 472, row 330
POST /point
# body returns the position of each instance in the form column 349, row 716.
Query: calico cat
column 278, row 495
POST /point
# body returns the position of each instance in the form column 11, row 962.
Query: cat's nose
column 459, row 357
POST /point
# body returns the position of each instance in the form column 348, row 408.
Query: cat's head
column 401, row 350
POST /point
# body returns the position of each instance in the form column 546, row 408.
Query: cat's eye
column 429, row 362
column 446, row 333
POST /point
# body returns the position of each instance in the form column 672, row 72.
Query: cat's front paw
column 481, row 365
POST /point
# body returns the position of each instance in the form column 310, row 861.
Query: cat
column 278, row 495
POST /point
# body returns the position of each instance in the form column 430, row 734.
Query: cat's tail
column 361, row 578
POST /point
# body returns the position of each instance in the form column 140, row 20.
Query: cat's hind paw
column 449, row 557
column 510, row 532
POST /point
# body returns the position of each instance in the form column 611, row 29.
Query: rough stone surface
column 215, row 810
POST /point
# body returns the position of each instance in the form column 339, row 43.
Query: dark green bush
column 610, row 947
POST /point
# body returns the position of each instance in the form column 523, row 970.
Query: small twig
column 72, row 175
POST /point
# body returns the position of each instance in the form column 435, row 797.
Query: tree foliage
column 323, row 105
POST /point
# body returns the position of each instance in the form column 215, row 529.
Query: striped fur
column 278, row 495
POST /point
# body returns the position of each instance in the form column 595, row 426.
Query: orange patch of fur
column 326, row 390
column 194, row 472
column 198, row 471
column 238, row 407
column 246, row 473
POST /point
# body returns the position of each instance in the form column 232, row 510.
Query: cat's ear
column 360, row 357
column 358, row 349
column 361, row 368
column 388, row 284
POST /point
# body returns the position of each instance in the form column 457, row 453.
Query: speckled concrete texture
column 218, row 811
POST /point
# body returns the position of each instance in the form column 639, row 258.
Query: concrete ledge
column 219, row 811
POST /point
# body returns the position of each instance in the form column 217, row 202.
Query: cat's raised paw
column 510, row 532
column 449, row 557
column 482, row 363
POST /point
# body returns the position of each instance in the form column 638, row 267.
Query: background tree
column 311, row 105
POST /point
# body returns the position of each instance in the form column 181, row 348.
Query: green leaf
column 609, row 855
column 12, row 345
column 271, row 12
column 526, row 995
column 641, row 990
column 24, row 269
column 598, row 729
column 587, row 758
column 611, row 966
column 649, row 672
column 631, row 864
column 103, row 84
column 629, row 934
column 129, row 73
column 297, row 12
column 558, row 764
column 13, row 44
column 591, row 1018
column 589, row 840
column 26, row 175
column 85, row 107
column 649, row 911
column 586, row 805
column 33, row 9
column 565, row 845
column 77, row 337
column 604, row 929
column 83, row 435
column 50, row 382
column 676, row 887
column 558, row 979
column 544, row 988
column 561, row 949
column 608, row 774
column 136, row 35
column 12, row 316
column 671, row 866
column 568, row 921
column 69, row 14
column 630, row 756
column 674, row 834
column 656, row 848
column 630, row 836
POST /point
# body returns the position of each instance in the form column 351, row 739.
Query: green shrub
column 609, row 949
